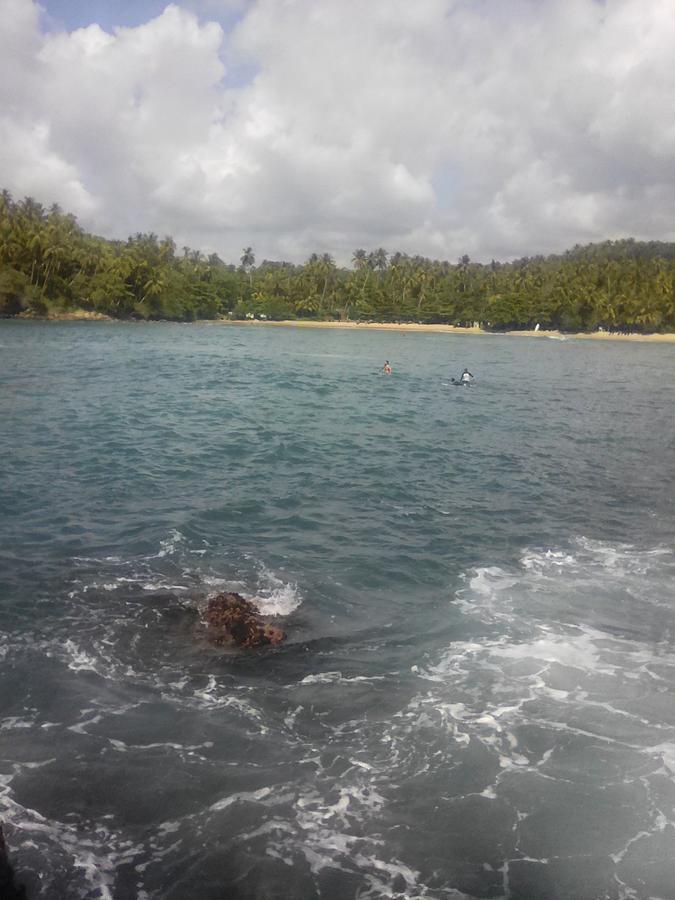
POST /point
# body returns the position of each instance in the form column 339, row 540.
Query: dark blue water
column 476, row 696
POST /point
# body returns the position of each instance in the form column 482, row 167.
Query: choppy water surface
column 476, row 697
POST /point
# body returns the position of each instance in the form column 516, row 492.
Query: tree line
column 50, row 265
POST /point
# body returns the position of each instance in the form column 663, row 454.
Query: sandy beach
column 78, row 315
column 454, row 329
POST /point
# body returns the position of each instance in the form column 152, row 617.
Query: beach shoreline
column 452, row 329
column 80, row 315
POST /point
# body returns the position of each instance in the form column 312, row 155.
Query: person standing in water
column 386, row 368
column 465, row 377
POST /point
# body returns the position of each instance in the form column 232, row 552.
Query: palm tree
column 326, row 267
column 32, row 210
column 463, row 269
column 167, row 249
column 247, row 263
column 378, row 259
column 154, row 286
column 6, row 201
column 360, row 259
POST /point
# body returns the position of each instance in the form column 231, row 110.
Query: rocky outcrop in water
column 233, row 619
column 8, row 887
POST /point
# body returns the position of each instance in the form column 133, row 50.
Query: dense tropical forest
column 49, row 265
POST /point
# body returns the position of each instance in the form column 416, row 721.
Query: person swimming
column 464, row 379
column 386, row 368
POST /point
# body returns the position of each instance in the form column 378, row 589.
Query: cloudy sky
column 497, row 128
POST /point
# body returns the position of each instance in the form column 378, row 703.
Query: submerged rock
column 232, row 618
column 8, row 887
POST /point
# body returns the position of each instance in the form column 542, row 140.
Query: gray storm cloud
column 439, row 127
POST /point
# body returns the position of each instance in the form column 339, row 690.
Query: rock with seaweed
column 231, row 618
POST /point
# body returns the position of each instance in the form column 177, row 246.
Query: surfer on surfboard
column 464, row 379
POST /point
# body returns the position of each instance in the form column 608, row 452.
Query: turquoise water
column 476, row 696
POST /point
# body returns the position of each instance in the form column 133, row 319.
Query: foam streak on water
column 476, row 696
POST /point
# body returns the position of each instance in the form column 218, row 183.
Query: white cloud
column 437, row 127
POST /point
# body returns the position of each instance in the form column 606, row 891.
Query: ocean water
column 476, row 698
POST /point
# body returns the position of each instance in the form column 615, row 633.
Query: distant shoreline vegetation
column 50, row 266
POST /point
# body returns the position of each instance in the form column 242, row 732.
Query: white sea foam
column 338, row 678
column 79, row 660
column 550, row 666
column 275, row 597
column 97, row 559
column 12, row 723
column 96, row 851
column 539, row 662
column 588, row 576
column 272, row 594
column 170, row 544
column 578, row 650
column 223, row 584
column 216, row 696
column 327, row 838
column 243, row 797
column 567, row 682
column 587, row 557
column 159, row 585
